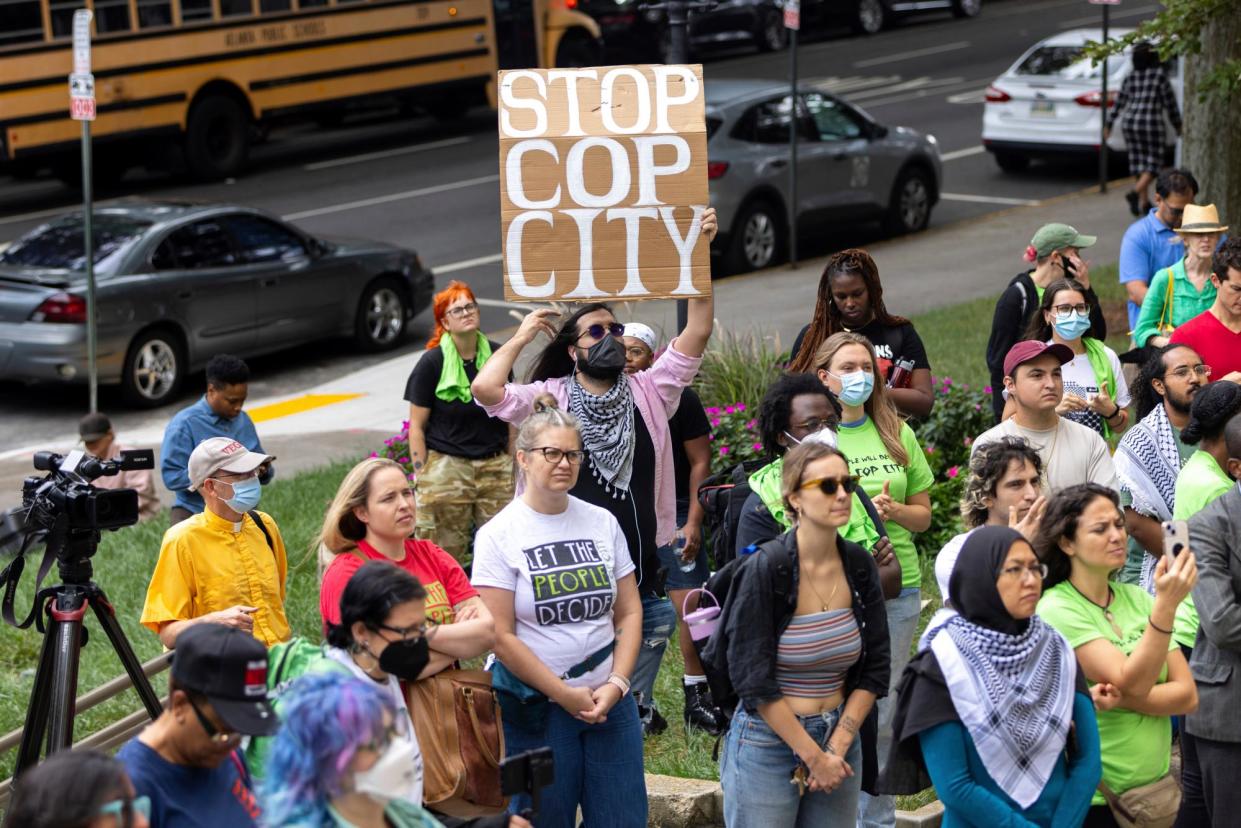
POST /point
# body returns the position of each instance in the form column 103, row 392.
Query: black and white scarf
column 607, row 432
column 1014, row 694
column 1147, row 463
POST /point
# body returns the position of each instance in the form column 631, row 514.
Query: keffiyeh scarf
column 1013, row 694
column 607, row 432
column 1147, row 463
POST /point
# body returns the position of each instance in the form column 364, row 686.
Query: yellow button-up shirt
column 207, row 564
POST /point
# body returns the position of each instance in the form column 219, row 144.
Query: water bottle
column 685, row 566
column 902, row 374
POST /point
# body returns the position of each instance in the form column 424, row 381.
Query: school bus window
column 153, row 13
column 193, row 11
column 62, row 16
column 235, row 8
column 112, row 16
column 310, row 4
column 269, row 6
column 20, row 21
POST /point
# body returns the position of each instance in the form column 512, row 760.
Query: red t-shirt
column 1219, row 347
column 437, row 571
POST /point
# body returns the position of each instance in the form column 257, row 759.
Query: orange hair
column 455, row 290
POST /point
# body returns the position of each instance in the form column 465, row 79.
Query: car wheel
column 1012, row 162
column 773, row 37
column 757, row 238
column 910, row 208
column 217, row 138
column 869, row 17
column 381, row 316
column 966, row 8
column 154, row 368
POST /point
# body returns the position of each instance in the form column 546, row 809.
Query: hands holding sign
column 603, row 183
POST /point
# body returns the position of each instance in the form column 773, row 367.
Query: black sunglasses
column 829, row 485
column 214, row 733
column 597, row 331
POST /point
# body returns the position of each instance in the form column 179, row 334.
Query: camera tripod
column 54, row 695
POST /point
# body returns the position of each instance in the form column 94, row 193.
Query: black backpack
column 720, row 585
column 722, row 497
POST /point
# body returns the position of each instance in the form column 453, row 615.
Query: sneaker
column 700, row 710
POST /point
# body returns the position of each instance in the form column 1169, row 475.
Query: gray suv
column 180, row 282
column 850, row 169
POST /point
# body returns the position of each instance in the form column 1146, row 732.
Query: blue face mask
column 855, row 387
column 1071, row 325
column 246, row 494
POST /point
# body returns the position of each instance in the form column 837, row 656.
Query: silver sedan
column 180, row 282
column 850, row 168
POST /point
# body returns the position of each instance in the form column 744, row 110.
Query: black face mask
column 405, row 659
column 604, row 360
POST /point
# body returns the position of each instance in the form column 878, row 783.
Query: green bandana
column 454, row 384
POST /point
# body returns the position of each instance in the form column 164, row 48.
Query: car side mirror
column 878, row 132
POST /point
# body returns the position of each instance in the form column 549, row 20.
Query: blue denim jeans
column 597, row 767
column 903, row 612
column 659, row 620
column 756, row 769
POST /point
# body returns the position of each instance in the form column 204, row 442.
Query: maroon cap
column 1029, row 349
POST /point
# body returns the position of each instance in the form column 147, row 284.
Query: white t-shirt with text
column 1080, row 379
column 562, row 570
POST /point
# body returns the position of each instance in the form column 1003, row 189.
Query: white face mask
column 392, row 776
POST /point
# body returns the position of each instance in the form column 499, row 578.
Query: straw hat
column 1201, row 220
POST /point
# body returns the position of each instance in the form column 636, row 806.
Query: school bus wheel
column 217, row 138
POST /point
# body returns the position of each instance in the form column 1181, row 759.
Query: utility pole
column 82, row 108
column 792, row 22
column 1103, row 107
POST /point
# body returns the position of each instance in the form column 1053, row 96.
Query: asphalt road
column 417, row 183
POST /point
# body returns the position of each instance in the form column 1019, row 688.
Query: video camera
column 66, row 491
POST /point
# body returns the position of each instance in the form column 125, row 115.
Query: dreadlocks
column 826, row 320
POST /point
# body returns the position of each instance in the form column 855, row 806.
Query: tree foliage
column 1178, row 29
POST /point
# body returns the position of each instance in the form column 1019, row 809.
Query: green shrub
column 734, row 436
column 738, row 368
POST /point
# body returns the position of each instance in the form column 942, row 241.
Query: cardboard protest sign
column 603, row 183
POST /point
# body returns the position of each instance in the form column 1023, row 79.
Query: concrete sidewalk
column 351, row 415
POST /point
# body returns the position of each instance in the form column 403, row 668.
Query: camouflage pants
column 457, row 495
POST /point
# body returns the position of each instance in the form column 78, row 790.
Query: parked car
column 739, row 22
column 180, row 282
column 850, row 168
column 1050, row 102
column 870, row 16
column 632, row 31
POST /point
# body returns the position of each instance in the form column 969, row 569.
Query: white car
column 1049, row 103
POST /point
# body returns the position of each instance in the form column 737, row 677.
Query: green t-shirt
column 1136, row 747
column 869, row 459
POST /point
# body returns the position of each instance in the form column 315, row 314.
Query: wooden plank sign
column 603, row 183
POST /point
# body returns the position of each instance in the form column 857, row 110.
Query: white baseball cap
column 644, row 333
column 217, row 454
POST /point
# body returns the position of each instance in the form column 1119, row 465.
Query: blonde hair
column 878, row 405
column 341, row 528
column 547, row 414
column 795, row 463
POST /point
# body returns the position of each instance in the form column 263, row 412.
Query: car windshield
column 1064, row 62
column 58, row 244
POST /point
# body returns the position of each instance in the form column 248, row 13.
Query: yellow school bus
column 212, row 73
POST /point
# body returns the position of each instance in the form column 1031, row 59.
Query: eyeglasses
column 597, row 331
column 1036, row 571
column 1184, row 371
column 214, row 733
column 814, row 425
column 380, row 744
column 554, row 455
column 1080, row 310
column 829, row 485
column 126, row 808
column 407, row 635
column 463, row 310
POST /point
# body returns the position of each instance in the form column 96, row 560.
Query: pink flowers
column 757, row 446
column 723, row 451
column 953, row 472
column 969, row 441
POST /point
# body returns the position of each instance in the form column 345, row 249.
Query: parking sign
column 81, row 82
column 792, row 14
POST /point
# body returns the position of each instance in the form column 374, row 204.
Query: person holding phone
column 1055, row 252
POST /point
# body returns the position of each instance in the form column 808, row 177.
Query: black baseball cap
column 229, row 667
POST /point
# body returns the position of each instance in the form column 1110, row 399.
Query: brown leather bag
column 457, row 721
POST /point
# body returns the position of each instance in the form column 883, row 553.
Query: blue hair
column 326, row 719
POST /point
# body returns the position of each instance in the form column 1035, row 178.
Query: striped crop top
column 816, row 651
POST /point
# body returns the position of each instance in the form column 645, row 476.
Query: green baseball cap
column 1057, row 237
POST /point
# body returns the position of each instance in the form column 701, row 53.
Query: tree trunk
column 1212, row 132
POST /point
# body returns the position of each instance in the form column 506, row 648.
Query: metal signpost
column 82, row 108
column 792, row 22
column 1103, row 103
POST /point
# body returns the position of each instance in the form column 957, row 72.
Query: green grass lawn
column 955, row 338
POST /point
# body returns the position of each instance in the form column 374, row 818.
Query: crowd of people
column 1091, row 609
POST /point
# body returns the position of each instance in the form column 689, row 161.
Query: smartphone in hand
column 1175, row 538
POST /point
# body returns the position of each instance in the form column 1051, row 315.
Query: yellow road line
column 297, row 405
